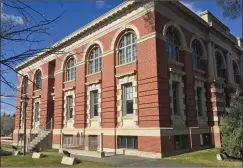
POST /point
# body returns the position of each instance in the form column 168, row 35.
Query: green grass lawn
column 202, row 158
column 47, row 161
column 6, row 147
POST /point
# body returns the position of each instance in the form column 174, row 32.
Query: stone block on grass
column 69, row 160
column 37, row 155
column 220, row 157
column 16, row 153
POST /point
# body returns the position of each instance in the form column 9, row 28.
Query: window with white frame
column 94, row 104
column 196, row 54
column 128, row 48
column 38, row 80
column 127, row 99
column 220, row 65
column 25, row 85
column 175, row 98
column 71, row 69
column 128, row 142
column 69, row 106
column 200, row 101
column 37, row 111
column 172, row 47
column 95, row 60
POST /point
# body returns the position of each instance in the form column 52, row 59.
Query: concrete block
column 68, row 160
column 16, row 153
column 37, row 155
column 220, row 157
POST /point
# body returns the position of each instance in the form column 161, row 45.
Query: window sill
column 175, row 62
column 93, row 74
column 126, row 64
column 94, row 119
column 37, row 90
column 70, row 120
column 128, row 116
column 199, row 71
column 69, row 81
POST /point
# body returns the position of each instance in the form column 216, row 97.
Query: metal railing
column 46, row 126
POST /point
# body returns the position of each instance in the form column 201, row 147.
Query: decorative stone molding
column 36, row 124
column 202, row 120
column 175, row 62
column 70, row 88
column 129, row 120
column 68, row 123
column 96, row 121
column 178, row 120
column 126, row 74
column 92, row 82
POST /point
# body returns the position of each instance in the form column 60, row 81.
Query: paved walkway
column 126, row 161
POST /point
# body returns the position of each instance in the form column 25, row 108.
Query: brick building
column 149, row 78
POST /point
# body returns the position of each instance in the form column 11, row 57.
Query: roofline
column 77, row 32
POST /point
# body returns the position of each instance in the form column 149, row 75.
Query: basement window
column 128, row 142
column 181, row 142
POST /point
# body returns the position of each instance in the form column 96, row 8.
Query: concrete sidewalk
column 126, row 161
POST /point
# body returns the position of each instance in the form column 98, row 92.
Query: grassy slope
column 202, row 158
column 54, row 161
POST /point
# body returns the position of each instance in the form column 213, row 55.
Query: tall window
column 95, row 60
column 37, row 111
column 200, row 101
column 128, row 99
column 71, row 69
column 38, row 80
column 196, row 54
column 94, row 104
column 128, row 48
column 69, row 107
column 175, row 94
column 220, row 65
column 25, row 85
column 236, row 72
column 172, row 47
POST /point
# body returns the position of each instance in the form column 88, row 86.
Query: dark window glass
column 199, row 101
column 25, row 85
column 69, row 107
column 38, row 80
column 196, row 53
column 181, row 141
column 172, row 47
column 94, row 104
column 220, row 65
column 128, row 99
column 205, row 139
column 128, row 142
column 175, row 91
column 37, row 108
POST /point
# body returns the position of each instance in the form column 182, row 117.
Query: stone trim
column 94, row 122
column 178, row 120
column 133, row 118
column 70, row 88
column 176, row 62
column 93, row 82
column 68, row 123
column 121, row 75
column 202, row 120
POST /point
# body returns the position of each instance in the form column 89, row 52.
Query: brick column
column 29, row 109
column 58, row 105
column 189, row 90
column 80, row 97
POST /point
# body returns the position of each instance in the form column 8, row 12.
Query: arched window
column 220, row 65
column 71, row 69
column 38, row 80
column 196, row 54
column 128, row 48
column 236, row 72
column 173, row 43
column 95, row 60
column 25, row 85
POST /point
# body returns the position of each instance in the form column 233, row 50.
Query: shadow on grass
column 5, row 153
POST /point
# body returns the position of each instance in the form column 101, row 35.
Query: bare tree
column 27, row 28
column 232, row 8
